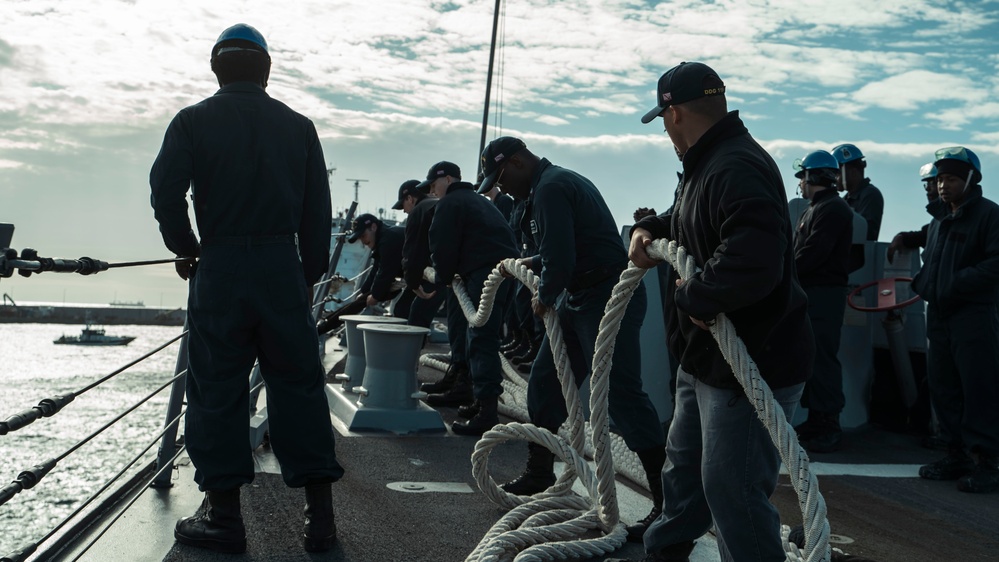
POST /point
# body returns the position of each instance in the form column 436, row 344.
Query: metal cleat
column 353, row 369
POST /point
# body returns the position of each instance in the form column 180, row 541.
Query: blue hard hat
column 847, row 153
column 244, row 32
column 960, row 154
column 820, row 159
column 927, row 172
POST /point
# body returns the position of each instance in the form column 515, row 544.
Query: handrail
column 48, row 407
column 30, row 549
column 29, row 478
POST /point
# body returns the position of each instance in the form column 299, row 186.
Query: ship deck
column 878, row 507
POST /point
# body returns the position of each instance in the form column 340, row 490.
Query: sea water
column 33, row 368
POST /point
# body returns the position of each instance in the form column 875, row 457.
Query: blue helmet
column 244, row 32
column 959, row 161
column 847, row 153
column 960, row 154
column 820, row 159
column 927, row 172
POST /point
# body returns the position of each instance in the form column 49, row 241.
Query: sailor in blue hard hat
column 916, row 238
column 257, row 176
column 861, row 194
column 959, row 281
column 246, row 56
column 822, row 243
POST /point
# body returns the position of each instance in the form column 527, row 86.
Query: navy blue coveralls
column 822, row 244
column 386, row 266
column 581, row 252
column 468, row 237
column 960, row 282
column 259, row 183
column 416, row 258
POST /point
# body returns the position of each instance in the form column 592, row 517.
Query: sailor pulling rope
column 552, row 516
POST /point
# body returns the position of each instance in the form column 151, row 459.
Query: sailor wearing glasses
column 960, row 282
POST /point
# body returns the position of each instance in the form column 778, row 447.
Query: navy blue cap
column 684, row 82
column 495, row 153
column 440, row 170
column 360, row 224
column 408, row 187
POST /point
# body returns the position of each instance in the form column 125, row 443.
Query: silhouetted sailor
column 580, row 258
column 469, row 236
column 262, row 203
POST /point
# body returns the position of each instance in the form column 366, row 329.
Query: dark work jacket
column 255, row 168
column 468, row 233
column 574, row 230
column 416, row 249
column 822, row 241
column 916, row 238
column 505, row 204
column 868, row 202
column 386, row 261
column 961, row 261
column 731, row 215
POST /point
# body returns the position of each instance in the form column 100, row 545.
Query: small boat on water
column 94, row 336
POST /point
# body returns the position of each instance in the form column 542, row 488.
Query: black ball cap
column 408, row 187
column 493, row 157
column 440, row 170
column 360, row 224
column 684, row 82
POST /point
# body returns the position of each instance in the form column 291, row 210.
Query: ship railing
column 51, row 406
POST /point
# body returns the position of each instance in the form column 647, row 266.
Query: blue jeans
column 721, row 466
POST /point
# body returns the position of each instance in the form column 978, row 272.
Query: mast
column 489, row 87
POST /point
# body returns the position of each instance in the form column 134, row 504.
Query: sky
column 393, row 86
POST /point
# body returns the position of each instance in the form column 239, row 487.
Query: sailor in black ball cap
column 731, row 215
column 580, row 258
column 416, row 253
column 385, row 243
column 468, row 237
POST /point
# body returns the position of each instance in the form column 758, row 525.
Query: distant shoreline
column 70, row 313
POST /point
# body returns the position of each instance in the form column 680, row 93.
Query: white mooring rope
column 543, row 527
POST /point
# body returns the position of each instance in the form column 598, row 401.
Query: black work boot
column 445, row 384
column 320, row 528
column 469, row 411
column 217, row 525
column 482, row 422
column 826, row 437
column 652, row 461
column 807, row 429
column 540, row 473
column 460, row 393
column 984, row 479
column 956, row 464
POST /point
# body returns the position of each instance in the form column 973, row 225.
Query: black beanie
column 957, row 168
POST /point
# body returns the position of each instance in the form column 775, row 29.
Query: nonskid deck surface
column 875, row 500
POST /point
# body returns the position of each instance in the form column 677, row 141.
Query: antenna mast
column 357, row 187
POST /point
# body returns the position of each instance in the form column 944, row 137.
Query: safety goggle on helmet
column 960, row 154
